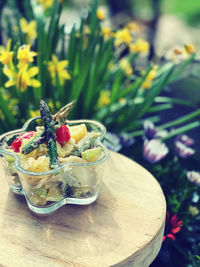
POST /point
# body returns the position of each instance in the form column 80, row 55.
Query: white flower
column 185, row 139
column 154, row 150
column 194, row 177
column 182, row 150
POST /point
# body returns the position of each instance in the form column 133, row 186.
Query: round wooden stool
column 124, row 227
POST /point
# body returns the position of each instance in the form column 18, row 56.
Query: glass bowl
column 69, row 183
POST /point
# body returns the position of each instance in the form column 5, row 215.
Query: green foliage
column 93, row 66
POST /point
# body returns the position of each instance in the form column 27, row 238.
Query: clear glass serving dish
column 69, row 183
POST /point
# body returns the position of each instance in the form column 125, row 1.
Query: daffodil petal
column 8, row 72
column 66, row 75
column 9, row 83
column 35, row 83
column 54, row 59
column 33, row 71
column 23, row 24
column 63, row 63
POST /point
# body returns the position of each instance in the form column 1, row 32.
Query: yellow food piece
column 54, row 194
column 33, row 179
column 36, row 165
column 65, row 150
column 37, row 200
column 78, row 132
column 80, row 191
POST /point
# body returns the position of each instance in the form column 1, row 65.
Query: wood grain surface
column 124, row 227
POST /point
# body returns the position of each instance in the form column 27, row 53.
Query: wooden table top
column 124, row 227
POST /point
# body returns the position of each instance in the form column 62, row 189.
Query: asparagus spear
column 61, row 116
column 34, row 143
column 50, row 136
column 58, row 119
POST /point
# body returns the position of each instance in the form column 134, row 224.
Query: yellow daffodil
column 24, row 55
column 146, row 84
column 6, row 55
column 126, row 66
column 23, row 78
column 104, row 99
column 122, row 37
column 182, row 53
column 34, row 113
column 189, row 48
column 46, row 3
column 150, row 77
column 131, row 26
column 29, row 29
column 140, row 46
column 107, row 33
column 100, row 14
column 57, row 69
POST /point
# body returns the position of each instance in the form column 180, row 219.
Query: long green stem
column 173, row 123
column 182, row 129
column 180, row 120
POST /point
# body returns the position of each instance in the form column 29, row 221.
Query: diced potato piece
column 78, row 132
column 80, row 191
column 37, row 200
column 35, row 165
column 79, row 176
column 54, row 194
column 65, row 150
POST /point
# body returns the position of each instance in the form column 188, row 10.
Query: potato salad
column 51, row 145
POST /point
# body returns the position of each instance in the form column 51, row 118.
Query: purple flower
column 154, row 150
column 185, row 139
column 149, row 129
column 193, row 177
column 126, row 140
column 151, row 132
column 182, row 150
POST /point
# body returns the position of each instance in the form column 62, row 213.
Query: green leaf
column 132, row 89
column 158, row 108
column 10, row 119
column 172, row 100
column 116, row 86
column 182, row 130
column 93, row 16
column 180, row 69
column 181, row 120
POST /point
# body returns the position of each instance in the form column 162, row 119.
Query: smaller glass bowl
column 69, row 183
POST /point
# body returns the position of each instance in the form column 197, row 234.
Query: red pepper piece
column 63, row 134
column 16, row 144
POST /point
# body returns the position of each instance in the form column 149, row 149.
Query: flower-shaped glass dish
column 69, row 183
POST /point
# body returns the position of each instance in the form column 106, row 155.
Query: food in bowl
column 54, row 161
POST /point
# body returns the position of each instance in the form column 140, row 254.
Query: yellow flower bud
column 190, row 49
column 100, row 14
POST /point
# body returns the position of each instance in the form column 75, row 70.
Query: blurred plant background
column 134, row 66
